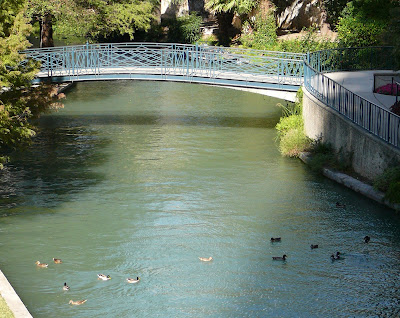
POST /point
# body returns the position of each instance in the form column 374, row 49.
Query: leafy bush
column 185, row 29
column 294, row 141
column 393, row 192
column 290, row 129
column 260, row 34
column 363, row 23
column 388, row 177
column 288, row 123
column 389, row 183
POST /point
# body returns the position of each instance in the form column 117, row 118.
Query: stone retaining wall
column 368, row 154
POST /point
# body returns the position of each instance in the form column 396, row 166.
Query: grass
column 5, row 312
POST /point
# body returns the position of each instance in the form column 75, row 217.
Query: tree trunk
column 46, row 31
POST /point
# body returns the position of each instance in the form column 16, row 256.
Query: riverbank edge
column 358, row 186
column 12, row 299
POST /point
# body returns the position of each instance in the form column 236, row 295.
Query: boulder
column 301, row 14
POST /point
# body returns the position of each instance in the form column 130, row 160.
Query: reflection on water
column 140, row 179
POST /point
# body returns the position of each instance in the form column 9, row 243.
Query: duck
column 367, row 239
column 335, row 257
column 78, row 302
column 278, row 258
column 206, row 259
column 103, row 277
column 133, row 280
column 275, row 239
column 42, row 265
column 65, row 287
column 340, row 205
column 57, row 260
column 314, row 246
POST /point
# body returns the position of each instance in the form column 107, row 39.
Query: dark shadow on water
column 61, row 160
column 185, row 120
column 56, row 166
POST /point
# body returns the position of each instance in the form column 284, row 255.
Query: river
column 139, row 179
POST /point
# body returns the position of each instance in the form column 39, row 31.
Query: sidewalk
column 362, row 84
column 13, row 301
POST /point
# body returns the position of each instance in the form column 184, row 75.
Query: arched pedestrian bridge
column 171, row 62
column 232, row 67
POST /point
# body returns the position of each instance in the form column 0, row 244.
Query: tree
column 17, row 102
column 112, row 18
column 239, row 7
column 364, row 22
column 92, row 19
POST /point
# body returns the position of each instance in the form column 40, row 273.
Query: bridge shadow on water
column 188, row 120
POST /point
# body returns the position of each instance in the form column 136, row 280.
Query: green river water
column 142, row 178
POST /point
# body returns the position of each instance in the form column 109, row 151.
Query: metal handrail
column 174, row 46
column 168, row 59
column 369, row 116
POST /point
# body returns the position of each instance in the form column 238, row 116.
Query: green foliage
column 389, row 183
column 5, row 310
column 388, row 177
column 185, row 29
column 364, row 22
column 287, row 123
column 95, row 19
column 292, row 139
column 208, row 40
column 239, row 7
column 309, row 42
column 261, row 33
column 393, row 193
column 18, row 103
column 322, row 156
column 113, row 17
column 334, row 9
column 393, row 33
column 13, row 30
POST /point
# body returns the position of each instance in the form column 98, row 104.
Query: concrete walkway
column 362, row 84
column 12, row 299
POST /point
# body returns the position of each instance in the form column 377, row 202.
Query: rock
column 301, row 14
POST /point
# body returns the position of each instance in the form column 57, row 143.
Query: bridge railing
column 374, row 118
column 171, row 59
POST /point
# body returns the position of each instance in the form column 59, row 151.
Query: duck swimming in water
column 42, row 265
column 206, row 259
column 314, row 246
column 133, row 280
column 367, row 239
column 78, row 302
column 65, row 287
column 103, row 277
column 57, row 260
column 278, row 258
column 275, row 239
column 335, row 257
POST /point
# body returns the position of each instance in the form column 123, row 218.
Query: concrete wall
column 369, row 155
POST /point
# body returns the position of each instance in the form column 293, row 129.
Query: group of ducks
column 99, row 276
column 334, row 257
